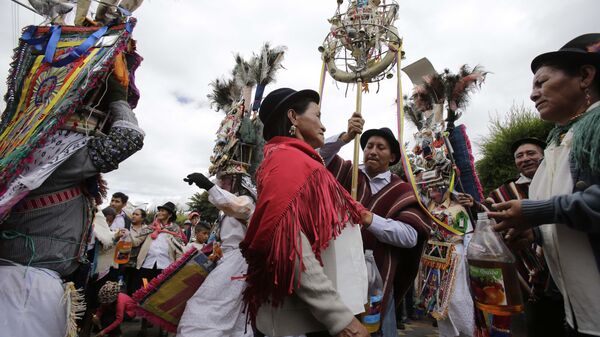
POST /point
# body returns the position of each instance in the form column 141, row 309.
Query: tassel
column 75, row 303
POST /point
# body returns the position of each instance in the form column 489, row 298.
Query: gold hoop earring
column 292, row 130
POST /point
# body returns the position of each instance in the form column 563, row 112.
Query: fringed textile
column 75, row 303
column 163, row 301
column 41, row 97
column 296, row 194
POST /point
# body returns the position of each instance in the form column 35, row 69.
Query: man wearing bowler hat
column 398, row 226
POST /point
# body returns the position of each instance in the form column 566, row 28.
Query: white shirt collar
column 522, row 180
column 385, row 176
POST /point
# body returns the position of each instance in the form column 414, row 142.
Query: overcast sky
column 188, row 43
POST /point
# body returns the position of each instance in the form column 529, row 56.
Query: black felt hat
column 582, row 49
column 278, row 101
column 527, row 140
column 170, row 207
column 387, row 135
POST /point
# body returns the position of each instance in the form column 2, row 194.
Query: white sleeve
column 240, row 207
column 331, row 147
column 393, row 232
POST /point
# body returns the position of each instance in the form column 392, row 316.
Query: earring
column 293, row 130
column 588, row 96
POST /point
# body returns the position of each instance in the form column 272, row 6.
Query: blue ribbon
column 51, row 41
column 80, row 50
column 260, row 89
column 37, row 43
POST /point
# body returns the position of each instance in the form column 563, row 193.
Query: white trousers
column 31, row 302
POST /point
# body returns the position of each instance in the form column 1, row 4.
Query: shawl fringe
column 75, row 302
column 320, row 209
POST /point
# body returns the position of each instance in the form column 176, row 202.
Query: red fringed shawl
column 296, row 194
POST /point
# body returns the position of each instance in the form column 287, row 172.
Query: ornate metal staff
column 361, row 47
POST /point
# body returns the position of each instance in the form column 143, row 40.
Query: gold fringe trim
column 75, row 303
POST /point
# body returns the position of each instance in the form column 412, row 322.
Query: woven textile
column 163, row 301
column 41, row 96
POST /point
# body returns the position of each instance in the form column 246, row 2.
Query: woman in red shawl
column 301, row 209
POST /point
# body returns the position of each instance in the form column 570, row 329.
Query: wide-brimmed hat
column 277, row 102
column 170, row 207
column 584, row 48
column 527, row 140
column 387, row 135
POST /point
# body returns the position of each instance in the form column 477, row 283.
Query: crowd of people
column 293, row 261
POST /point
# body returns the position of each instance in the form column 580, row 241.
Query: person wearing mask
column 219, row 299
column 44, row 237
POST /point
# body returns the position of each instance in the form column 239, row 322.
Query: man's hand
column 354, row 329
column 200, row 180
column 466, row 200
column 509, row 215
column 519, row 240
column 355, row 127
column 120, row 233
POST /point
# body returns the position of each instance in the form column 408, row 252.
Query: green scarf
column 585, row 151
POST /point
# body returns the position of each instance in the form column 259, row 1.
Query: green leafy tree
column 498, row 164
column 199, row 202
column 150, row 216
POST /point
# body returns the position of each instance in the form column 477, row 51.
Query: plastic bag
column 374, row 278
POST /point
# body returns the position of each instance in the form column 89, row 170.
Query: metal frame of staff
column 356, row 40
column 361, row 48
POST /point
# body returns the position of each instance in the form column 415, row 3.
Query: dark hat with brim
column 278, row 101
column 527, row 140
column 387, row 135
column 584, row 49
column 169, row 206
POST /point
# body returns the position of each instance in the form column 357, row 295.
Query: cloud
column 182, row 99
column 188, row 43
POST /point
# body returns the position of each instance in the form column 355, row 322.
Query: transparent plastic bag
column 375, row 282
column 371, row 319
